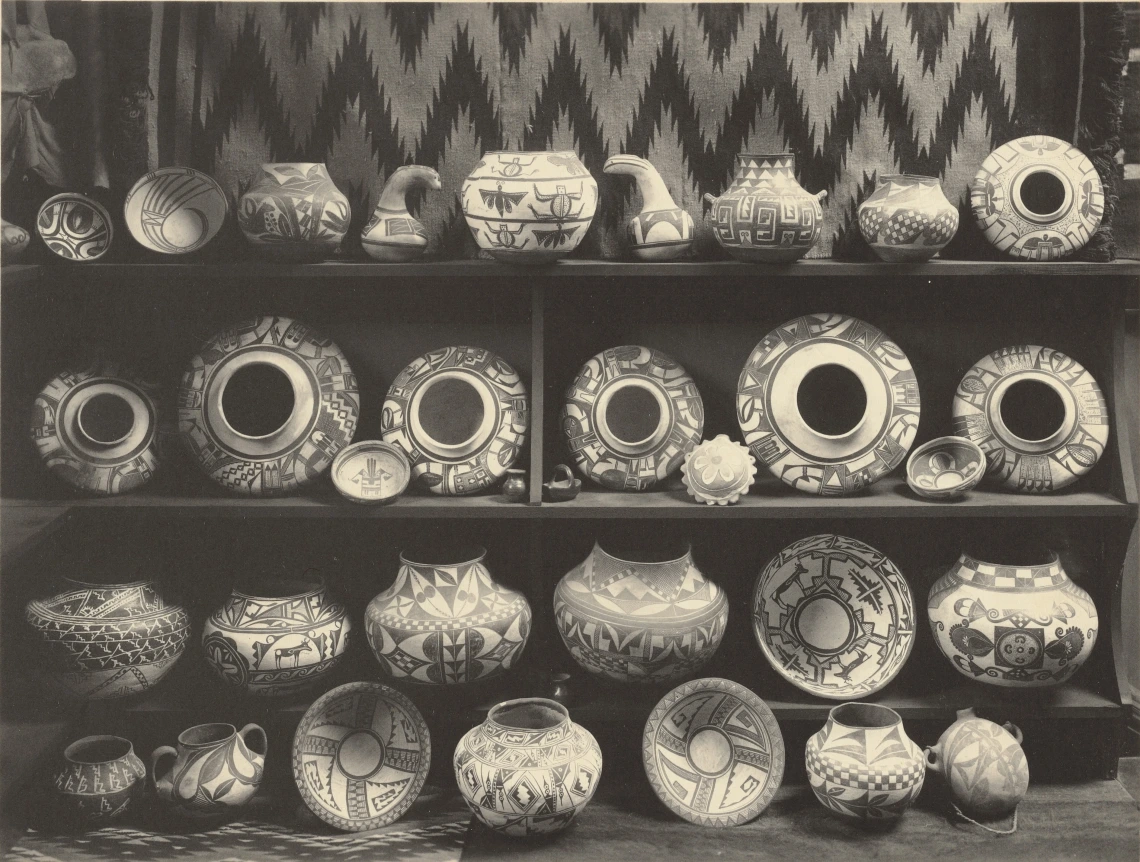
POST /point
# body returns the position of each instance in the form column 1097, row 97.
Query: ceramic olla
column 662, row 230
column 651, row 619
column 98, row 641
column 862, row 766
column 983, row 764
column 445, row 621
column 529, row 207
column 215, row 769
column 97, row 780
column 907, row 218
column 276, row 636
column 392, row 234
column 527, row 769
column 294, row 211
column 1020, row 623
column 765, row 216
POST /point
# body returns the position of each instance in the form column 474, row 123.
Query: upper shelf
column 23, row 274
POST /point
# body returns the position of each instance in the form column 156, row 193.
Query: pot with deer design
column 529, row 207
column 276, row 636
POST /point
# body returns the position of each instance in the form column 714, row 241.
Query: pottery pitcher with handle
column 214, row 769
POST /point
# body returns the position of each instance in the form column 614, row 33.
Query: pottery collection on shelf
column 639, row 621
column 907, row 219
column 445, row 621
column 294, row 211
column 96, row 641
column 214, row 769
column 527, row 769
column 276, row 636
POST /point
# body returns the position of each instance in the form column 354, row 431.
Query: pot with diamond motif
column 907, row 219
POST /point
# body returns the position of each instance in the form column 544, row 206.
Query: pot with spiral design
column 907, row 219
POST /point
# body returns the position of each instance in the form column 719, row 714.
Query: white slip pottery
column 662, row 230
column 392, row 234
column 983, row 764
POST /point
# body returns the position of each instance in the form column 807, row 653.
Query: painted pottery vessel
column 529, row 207
column 97, row 428
column 460, row 414
column 765, row 216
column 214, row 770
column 75, row 227
column 294, row 211
column 662, row 230
column 983, row 764
column 833, row 616
column 719, row 471
column 97, row 780
column 713, row 752
column 175, row 210
column 266, row 405
column 371, row 471
column 829, row 403
column 1037, row 198
column 99, row 641
column 14, row 241
column 445, row 621
column 630, row 417
column 276, row 636
column 1025, row 625
column 945, row 468
column 862, row 766
column 1039, row 416
column 392, row 234
column 648, row 621
column 514, row 486
column 361, row 755
column 527, row 769
column 907, row 218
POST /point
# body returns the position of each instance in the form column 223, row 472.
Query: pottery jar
column 276, row 636
column 294, row 211
column 907, row 218
column 527, row 769
column 862, row 766
column 392, row 234
column 529, row 207
column 514, row 486
column 98, row 641
column 983, row 764
column 653, row 620
column 662, row 230
column 14, row 240
column 1018, row 624
column 214, row 769
column 98, row 779
column 765, row 216
column 445, row 621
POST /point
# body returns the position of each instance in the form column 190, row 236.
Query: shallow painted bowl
column 945, row 468
column 371, row 471
column 175, row 210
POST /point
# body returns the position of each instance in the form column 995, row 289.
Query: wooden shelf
column 770, row 499
column 465, row 270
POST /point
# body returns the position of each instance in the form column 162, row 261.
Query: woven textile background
column 853, row 89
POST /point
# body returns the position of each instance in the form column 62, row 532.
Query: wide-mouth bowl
column 437, row 555
column 96, row 750
column 206, row 734
column 529, row 713
column 864, row 715
column 932, row 448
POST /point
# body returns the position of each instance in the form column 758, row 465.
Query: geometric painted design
column 870, row 772
column 447, row 624
column 175, row 210
column 907, row 218
column 607, row 454
column 361, row 755
column 834, row 617
column 75, row 227
column 81, row 460
column 527, row 769
column 639, row 622
column 480, row 456
column 1013, row 626
column 794, row 451
column 107, row 641
column 325, row 412
column 1032, row 466
column 713, row 752
column 983, row 763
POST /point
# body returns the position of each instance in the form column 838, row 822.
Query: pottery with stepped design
column 907, row 218
column 527, row 769
column 98, row 779
column 393, row 234
column 645, row 621
column 765, row 216
column 662, row 230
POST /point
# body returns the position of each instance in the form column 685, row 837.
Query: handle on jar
column 164, row 786
column 1014, row 731
column 256, row 729
column 934, row 758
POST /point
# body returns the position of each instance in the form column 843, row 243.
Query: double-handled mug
column 214, row 769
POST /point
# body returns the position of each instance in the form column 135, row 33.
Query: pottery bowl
column 945, row 468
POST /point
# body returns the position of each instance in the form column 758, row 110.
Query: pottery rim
column 122, row 746
column 541, row 714
column 1042, row 557
column 279, row 588
column 687, row 554
column 532, row 153
column 860, row 715
column 904, row 176
column 41, row 608
column 455, row 555
column 207, row 735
